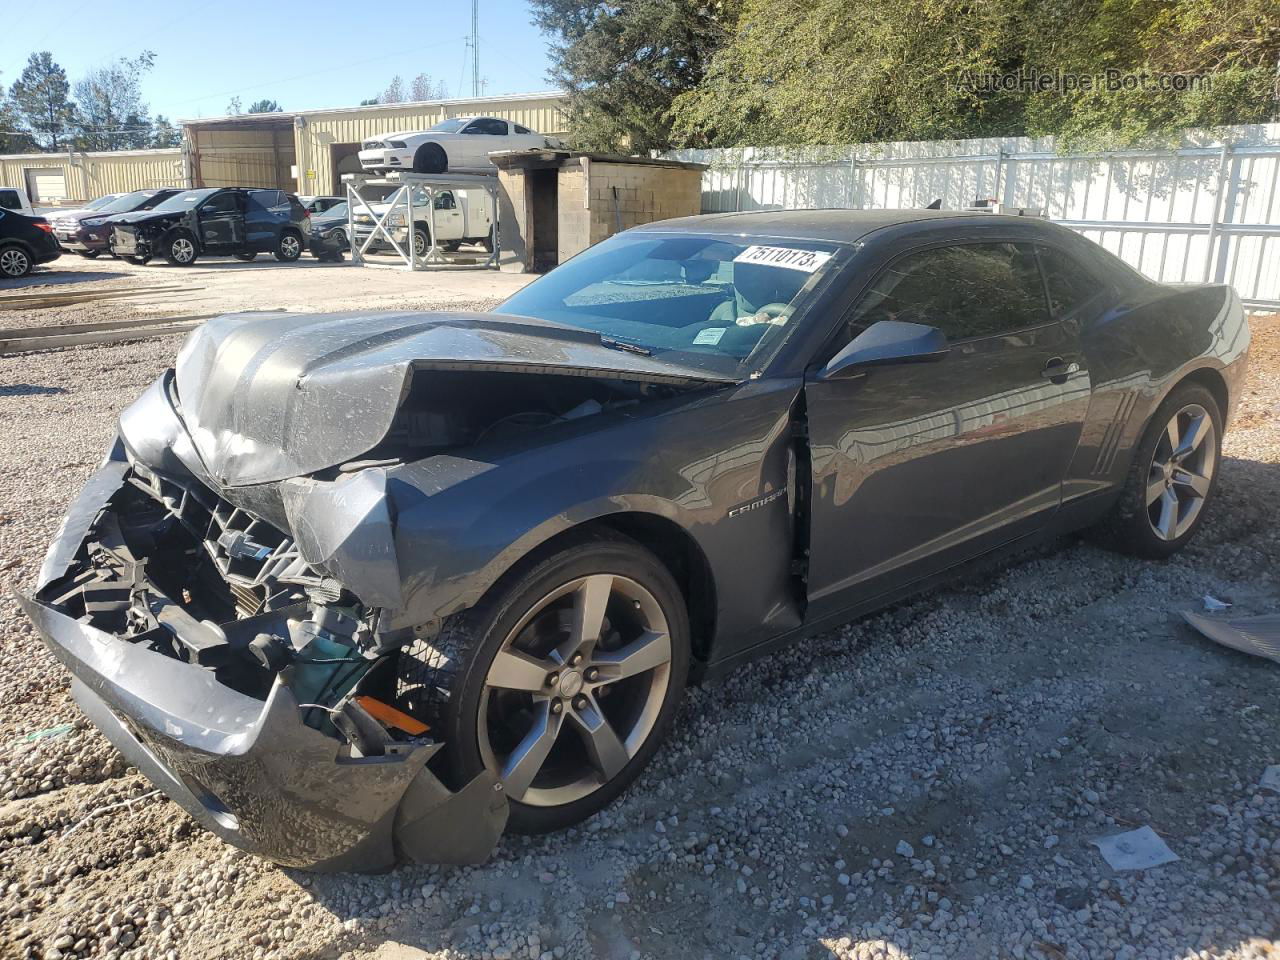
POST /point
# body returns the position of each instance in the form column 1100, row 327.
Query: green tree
column 41, row 100
column 234, row 107
column 624, row 64
column 112, row 114
column 841, row 71
column 1234, row 45
column 13, row 139
column 164, row 133
column 264, row 106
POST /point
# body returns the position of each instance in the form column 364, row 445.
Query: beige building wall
column 89, row 175
column 242, row 155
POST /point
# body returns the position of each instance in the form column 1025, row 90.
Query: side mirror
column 889, row 341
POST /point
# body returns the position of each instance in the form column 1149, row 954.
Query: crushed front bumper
column 249, row 769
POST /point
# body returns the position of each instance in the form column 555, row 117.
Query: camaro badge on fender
column 757, row 504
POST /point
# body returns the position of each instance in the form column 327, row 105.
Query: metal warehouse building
column 305, row 152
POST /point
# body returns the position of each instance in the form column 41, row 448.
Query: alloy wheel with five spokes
column 575, row 690
column 1181, row 472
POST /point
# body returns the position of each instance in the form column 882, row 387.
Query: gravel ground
column 925, row 783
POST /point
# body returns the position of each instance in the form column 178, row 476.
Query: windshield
column 717, row 301
column 179, row 202
column 100, row 202
column 334, row 212
column 449, row 126
column 125, row 202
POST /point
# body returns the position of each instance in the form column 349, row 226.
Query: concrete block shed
column 557, row 203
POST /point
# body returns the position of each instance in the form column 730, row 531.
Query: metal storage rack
column 401, row 201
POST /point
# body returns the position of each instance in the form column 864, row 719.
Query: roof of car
column 839, row 226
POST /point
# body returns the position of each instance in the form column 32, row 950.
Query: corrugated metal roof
column 378, row 107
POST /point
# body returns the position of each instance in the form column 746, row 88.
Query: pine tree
column 41, row 100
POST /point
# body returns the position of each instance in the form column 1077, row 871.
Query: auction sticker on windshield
column 789, row 257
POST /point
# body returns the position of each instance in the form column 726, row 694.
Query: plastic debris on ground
column 1259, row 636
column 1271, row 778
column 1213, row 604
column 49, row 733
column 1136, row 850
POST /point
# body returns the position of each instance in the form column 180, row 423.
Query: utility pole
column 475, row 48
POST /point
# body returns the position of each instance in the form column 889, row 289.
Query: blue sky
column 292, row 53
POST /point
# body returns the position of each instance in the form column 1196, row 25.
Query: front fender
column 461, row 522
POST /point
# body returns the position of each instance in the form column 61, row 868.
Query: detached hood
column 269, row 396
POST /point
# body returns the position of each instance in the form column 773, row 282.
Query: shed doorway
column 544, row 208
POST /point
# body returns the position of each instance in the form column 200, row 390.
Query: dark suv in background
column 214, row 221
column 88, row 231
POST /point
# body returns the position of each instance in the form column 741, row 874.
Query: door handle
column 1058, row 369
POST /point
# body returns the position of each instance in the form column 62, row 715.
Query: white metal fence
column 1207, row 210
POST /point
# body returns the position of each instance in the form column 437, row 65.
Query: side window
column 444, row 201
column 965, row 290
column 487, row 126
column 520, row 129
column 1070, row 285
column 9, row 200
column 222, row 203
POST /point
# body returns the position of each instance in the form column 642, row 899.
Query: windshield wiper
column 622, row 345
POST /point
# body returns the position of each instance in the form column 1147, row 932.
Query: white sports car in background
column 459, row 144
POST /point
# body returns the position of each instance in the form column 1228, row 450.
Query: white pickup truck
column 461, row 216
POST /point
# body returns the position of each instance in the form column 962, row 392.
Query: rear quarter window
column 9, row 200
column 1069, row 284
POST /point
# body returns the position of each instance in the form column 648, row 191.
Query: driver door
column 917, row 466
column 222, row 223
column 480, row 137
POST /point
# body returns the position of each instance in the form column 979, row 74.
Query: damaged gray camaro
column 356, row 589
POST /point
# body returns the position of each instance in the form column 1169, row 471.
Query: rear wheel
column 15, row 262
column 562, row 681
column 180, row 249
column 1173, row 477
column 487, row 242
column 288, row 247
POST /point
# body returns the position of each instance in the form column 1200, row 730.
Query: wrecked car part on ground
column 360, row 588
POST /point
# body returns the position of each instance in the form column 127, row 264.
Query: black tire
column 430, row 158
column 1130, row 527
column 451, row 246
column 138, row 261
column 247, row 257
column 487, row 242
column 289, row 247
column 421, row 240
column 181, row 249
column 89, row 254
column 339, row 239
column 15, row 261
column 444, row 681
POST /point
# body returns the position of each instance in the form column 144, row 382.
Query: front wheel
column 180, row 249
column 289, row 247
column 562, row 682
column 1172, row 479
column 421, row 241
